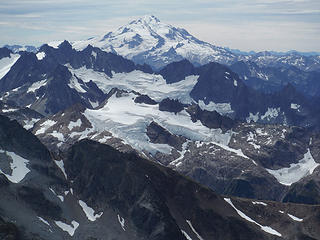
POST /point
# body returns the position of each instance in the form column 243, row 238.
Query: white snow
column 271, row 113
column 186, row 235
column 35, row 86
column 261, row 133
column 294, row 218
column 9, row 110
column 194, row 230
column 128, row 120
column 6, row 64
column 18, row 167
column 145, row 34
column 222, row 108
column 296, row 171
column 94, row 54
column 41, row 55
column 68, row 228
column 152, row 85
column 74, row 83
column 253, row 117
column 29, row 123
column 58, row 196
column 122, row 222
column 251, row 139
column 295, row 106
column 94, row 104
column 235, row 83
column 177, row 161
column 44, row 126
column 74, row 124
column 241, row 214
column 259, row 203
column 57, row 135
column 54, row 44
column 60, row 164
column 44, row 221
column 89, row 211
column 236, row 151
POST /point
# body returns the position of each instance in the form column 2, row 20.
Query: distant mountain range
column 104, row 127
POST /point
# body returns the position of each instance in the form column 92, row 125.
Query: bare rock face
column 210, row 119
column 170, row 105
column 158, row 134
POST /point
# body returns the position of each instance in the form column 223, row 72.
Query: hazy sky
column 279, row 25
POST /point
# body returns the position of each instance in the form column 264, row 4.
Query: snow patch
column 294, row 218
column 58, row 196
column 6, row 64
column 74, row 83
column 222, row 108
column 186, row 235
column 235, row 82
column 271, row 113
column 122, row 222
column 94, row 54
column 89, row 211
column 296, row 171
column 68, row 228
column 295, row 106
column 259, row 203
column 74, row 124
column 44, row 126
column 35, row 86
column 57, row 135
column 60, row 164
column 253, row 117
column 94, row 104
column 41, row 55
column 44, row 221
column 194, row 230
column 177, row 161
column 241, row 214
column 30, row 123
column 18, row 167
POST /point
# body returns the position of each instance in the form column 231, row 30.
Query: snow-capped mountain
column 147, row 40
column 93, row 141
column 270, row 59
column 271, row 79
column 19, row 48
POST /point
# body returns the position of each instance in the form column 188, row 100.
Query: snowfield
column 128, row 120
column 6, row 64
column 153, row 85
column 18, row 167
column 296, row 171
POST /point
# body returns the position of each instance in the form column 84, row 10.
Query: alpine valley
column 149, row 133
